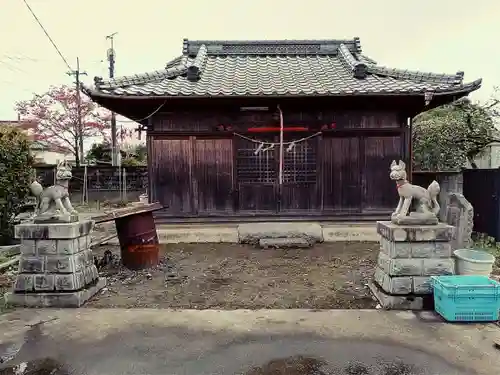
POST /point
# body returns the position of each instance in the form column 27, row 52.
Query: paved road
column 263, row 342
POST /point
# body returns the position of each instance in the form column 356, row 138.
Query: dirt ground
column 231, row 276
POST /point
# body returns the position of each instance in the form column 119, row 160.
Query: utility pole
column 111, row 60
column 77, row 73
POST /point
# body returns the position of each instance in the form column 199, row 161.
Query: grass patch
column 5, row 284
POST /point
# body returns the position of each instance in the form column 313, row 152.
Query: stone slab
column 393, row 285
column 43, row 282
column 253, row 232
column 415, row 249
column 50, row 218
column 54, row 263
column 351, row 232
column 415, row 266
column 228, row 233
column 10, row 250
column 10, row 262
column 415, row 219
column 194, row 234
column 55, row 300
column 54, row 247
column 415, row 233
column 34, row 231
column 389, row 302
column 422, row 285
column 460, row 214
column 283, row 243
column 402, row 285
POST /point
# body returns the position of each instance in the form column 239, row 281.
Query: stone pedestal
column 409, row 255
column 56, row 268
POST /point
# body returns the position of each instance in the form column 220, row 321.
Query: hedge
column 16, row 174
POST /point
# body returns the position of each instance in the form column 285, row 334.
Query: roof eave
column 462, row 90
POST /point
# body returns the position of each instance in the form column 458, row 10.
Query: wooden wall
column 197, row 170
column 196, row 122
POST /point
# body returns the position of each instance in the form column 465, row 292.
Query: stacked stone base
column 409, row 255
column 56, row 268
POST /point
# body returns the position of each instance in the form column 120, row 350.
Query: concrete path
column 147, row 341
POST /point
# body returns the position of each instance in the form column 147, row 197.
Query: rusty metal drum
column 136, row 230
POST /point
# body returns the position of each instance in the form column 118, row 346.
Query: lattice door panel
column 255, row 167
column 299, row 163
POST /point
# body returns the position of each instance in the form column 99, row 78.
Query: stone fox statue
column 54, row 200
column 426, row 198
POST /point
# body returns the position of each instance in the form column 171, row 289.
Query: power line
column 47, row 34
column 20, row 58
column 17, row 58
column 12, row 68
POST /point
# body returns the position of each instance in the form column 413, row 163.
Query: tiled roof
column 41, row 145
column 278, row 68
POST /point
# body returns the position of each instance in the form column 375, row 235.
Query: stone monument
column 56, row 268
column 413, row 246
column 460, row 214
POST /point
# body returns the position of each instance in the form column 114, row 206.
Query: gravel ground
column 231, row 276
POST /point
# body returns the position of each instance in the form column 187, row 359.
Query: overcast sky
column 430, row 35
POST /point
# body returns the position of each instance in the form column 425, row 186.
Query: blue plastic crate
column 466, row 298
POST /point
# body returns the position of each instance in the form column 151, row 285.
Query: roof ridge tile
column 415, row 75
column 270, row 47
column 143, row 78
column 195, row 69
column 358, row 68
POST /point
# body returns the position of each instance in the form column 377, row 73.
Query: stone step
column 252, row 232
column 284, row 243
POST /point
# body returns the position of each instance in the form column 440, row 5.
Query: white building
column 43, row 152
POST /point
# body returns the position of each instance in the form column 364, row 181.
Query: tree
column 16, row 175
column 131, row 154
column 99, row 152
column 445, row 138
column 134, row 155
column 56, row 115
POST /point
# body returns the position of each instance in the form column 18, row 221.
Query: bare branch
column 494, row 103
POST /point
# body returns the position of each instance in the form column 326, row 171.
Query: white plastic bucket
column 473, row 262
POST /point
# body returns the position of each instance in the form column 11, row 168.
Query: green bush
column 15, row 178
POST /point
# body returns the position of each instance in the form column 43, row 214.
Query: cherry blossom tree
column 56, row 115
column 447, row 137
